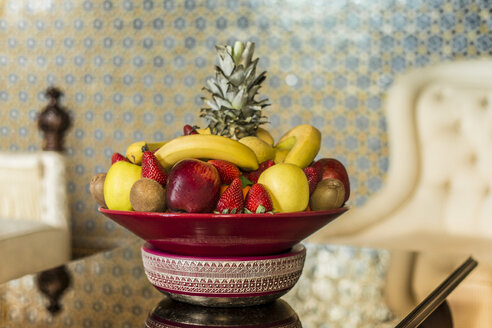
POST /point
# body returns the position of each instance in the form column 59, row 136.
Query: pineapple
column 232, row 110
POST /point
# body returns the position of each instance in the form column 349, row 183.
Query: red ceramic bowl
column 208, row 234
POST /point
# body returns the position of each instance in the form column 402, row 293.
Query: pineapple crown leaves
column 232, row 108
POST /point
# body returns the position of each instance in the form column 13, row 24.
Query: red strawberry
column 227, row 170
column 266, row 164
column 231, row 201
column 188, row 129
column 255, row 175
column 118, row 157
column 258, row 196
column 312, row 177
column 152, row 169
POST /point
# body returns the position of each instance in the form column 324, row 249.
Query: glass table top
column 340, row 286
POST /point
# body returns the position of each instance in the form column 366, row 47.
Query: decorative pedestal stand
column 223, row 281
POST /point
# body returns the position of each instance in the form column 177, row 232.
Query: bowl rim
column 239, row 216
column 297, row 249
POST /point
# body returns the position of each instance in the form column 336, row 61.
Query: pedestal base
column 224, row 281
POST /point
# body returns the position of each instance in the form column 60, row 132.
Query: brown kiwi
column 329, row 194
column 96, row 188
column 148, row 195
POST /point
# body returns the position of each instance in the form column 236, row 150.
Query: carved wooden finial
column 53, row 283
column 54, row 121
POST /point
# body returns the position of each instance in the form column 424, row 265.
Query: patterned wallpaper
column 133, row 70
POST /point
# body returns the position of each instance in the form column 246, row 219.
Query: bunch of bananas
column 298, row 146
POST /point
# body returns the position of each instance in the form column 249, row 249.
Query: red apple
column 332, row 168
column 193, row 186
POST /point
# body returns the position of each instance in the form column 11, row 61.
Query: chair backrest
column 33, row 187
column 437, row 195
column 440, row 142
column 454, row 129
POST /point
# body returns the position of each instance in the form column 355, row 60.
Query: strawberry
column 152, row 169
column 118, row 157
column 227, row 170
column 231, row 201
column 188, row 129
column 255, row 175
column 312, row 177
column 266, row 164
column 258, row 200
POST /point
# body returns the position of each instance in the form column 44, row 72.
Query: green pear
column 119, row 181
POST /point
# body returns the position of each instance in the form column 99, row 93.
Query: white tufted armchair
column 34, row 216
column 437, row 196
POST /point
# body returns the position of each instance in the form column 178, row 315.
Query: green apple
column 288, row 187
column 119, row 181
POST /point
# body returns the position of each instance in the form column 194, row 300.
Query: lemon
column 288, row 187
column 265, row 136
column 119, row 181
column 204, row 131
column 262, row 150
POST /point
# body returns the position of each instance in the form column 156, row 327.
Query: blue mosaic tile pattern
column 133, row 70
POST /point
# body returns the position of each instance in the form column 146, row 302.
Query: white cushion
column 37, row 187
column 28, row 247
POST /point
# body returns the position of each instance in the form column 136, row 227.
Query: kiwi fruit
column 148, row 195
column 96, row 188
column 329, row 194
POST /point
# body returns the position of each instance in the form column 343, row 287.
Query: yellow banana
column 207, row 146
column 280, row 155
column 135, row 151
column 262, row 150
column 305, row 147
column 287, row 143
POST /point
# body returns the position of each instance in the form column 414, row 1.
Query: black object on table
column 433, row 311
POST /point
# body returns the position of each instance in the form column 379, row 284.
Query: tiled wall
column 133, row 70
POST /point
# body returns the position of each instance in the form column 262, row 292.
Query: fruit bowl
column 215, row 235
column 226, row 281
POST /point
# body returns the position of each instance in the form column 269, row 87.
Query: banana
column 287, row 143
column 305, row 147
column 262, row 150
column 280, row 155
column 135, row 151
column 207, row 146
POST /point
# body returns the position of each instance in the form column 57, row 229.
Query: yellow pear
column 265, row 136
column 288, row 187
column 306, row 146
column 262, row 150
column 119, row 181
